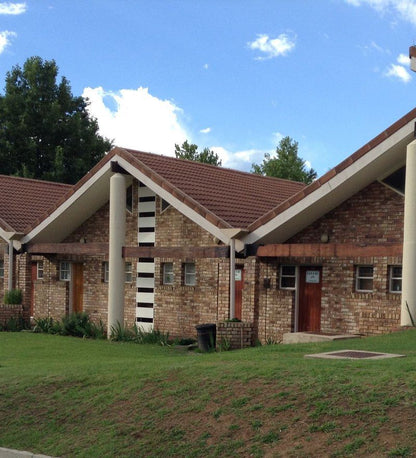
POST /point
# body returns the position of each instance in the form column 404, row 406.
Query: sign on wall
column 312, row 276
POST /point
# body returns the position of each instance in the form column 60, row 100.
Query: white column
column 116, row 243
column 408, row 309
column 232, row 279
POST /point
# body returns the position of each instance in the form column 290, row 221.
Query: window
column 105, row 272
column 128, row 272
column 395, row 279
column 364, row 278
column 39, row 268
column 65, row 271
column 287, row 277
column 1, row 268
column 168, row 277
column 189, row 274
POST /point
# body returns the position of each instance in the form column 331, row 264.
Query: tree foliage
column 45, row 131
column 190, row 151
column 286, row 164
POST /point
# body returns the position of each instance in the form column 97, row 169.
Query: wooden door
column 77, row 280
column 310, row 292
column 33, row 278
column 239, row 285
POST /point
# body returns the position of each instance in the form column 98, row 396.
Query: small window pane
column 40, row 270
column 190, row 276
column 287, row 277
column 105, row 272
column 129, row 199
column 128, row 272
column 1, row 268
column 65, row 271
column 168, row 273
column 395, row 279
column 364, row 278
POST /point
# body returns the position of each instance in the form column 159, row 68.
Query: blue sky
column 232, row 75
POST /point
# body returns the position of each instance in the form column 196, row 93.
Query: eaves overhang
column 382, row 155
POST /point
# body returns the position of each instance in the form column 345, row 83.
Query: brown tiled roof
column 236, row 198
column 335, row 171
column 24, row 200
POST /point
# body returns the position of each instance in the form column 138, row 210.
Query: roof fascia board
column 178, row 204
column 327, row 188
column 65, row 205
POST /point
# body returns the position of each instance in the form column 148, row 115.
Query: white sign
column 238, row 275
column 312, row 276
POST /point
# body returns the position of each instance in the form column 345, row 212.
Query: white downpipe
column 232, row 279
column 11, row 267
column 116, row 242
column 408, row 306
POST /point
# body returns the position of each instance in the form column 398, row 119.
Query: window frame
column 287, row 276
column 189, row 275
column 393, row 277
column 1, row 268
column 128, row 272
column 106, row 271
column 359, row 277
column 165, row 274
column 39, row 270
column 65, row 273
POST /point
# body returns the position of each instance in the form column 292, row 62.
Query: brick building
column 170, row 244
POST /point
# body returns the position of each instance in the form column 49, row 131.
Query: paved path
column 9, row 453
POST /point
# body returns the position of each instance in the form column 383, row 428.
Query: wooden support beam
column 177, row 252
column 91, row 249
column 328, row 250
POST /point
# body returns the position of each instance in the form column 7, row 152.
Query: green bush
column 13, row 297
column 76, row 325
column 14, row 324
column 120, row 333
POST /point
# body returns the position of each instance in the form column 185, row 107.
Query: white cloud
column 12, row 8
column 398, row 71
column 403, row 9
column 135, row 119
column 5, row 37
column 277, row 137
column 403, row 59
column 272, row 47
column 206, row 66
column 205, row 131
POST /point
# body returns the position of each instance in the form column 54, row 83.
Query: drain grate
column 353, row 354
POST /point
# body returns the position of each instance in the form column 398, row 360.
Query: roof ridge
column 215, row 167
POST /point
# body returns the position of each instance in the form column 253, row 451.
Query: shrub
column 14, row 324
column 13, row 297
column 76, row 325
column 120, row 333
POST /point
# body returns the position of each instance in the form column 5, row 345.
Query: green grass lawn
column 64, row 396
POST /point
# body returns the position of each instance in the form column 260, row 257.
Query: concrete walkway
column 9, row 453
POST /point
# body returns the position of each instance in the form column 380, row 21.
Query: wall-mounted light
column 324, row 238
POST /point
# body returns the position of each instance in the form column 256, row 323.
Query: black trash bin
column 207, row 335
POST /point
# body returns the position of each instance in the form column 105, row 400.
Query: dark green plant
column 76, row 325
column 13, row 297
column 14, row 324
column 120, row 333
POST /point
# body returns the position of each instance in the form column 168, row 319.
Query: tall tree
column 190, row 151
column 286, row 164
column 45, row 131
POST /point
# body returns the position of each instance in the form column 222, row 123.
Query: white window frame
column 65, row 271
column 106, row 272
column 359, row 277
column 168, row 277
column 393, row 277
column 128, row 272
column 39, row 270
column 1, row 268
column 189, row 274
column 282, row 276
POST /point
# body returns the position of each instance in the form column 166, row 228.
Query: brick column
column 117, row 240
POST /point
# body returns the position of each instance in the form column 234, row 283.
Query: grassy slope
column 71, row 397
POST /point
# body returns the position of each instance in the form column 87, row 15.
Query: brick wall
column 235, row 335
column 372, row 216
